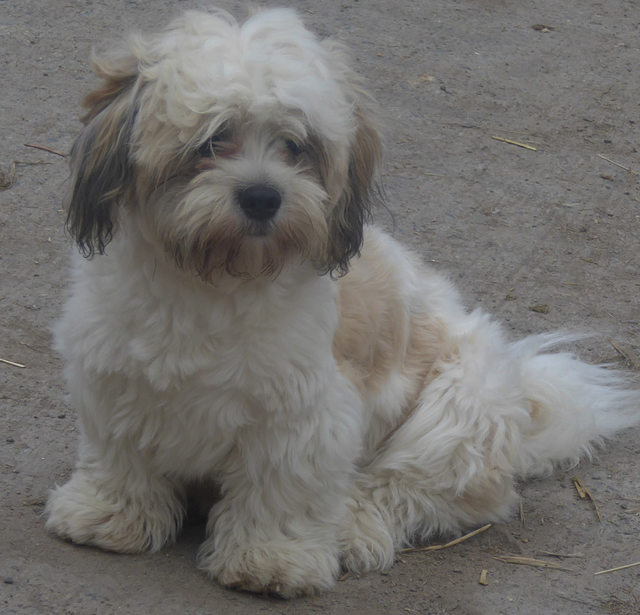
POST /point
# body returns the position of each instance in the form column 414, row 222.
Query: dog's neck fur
column 144, row 286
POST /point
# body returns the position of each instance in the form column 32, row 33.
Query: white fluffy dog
column 244, row 327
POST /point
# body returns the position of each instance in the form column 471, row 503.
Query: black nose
column 259, row 202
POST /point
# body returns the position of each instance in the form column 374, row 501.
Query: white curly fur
column 340, row 417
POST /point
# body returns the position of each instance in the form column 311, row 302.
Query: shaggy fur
column 237, row 323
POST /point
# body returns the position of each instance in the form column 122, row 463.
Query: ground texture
column 544, row 238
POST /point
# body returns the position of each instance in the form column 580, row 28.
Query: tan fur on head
column 152, row 148
column 119, row 71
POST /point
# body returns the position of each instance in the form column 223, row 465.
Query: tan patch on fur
column 100, row 99
column 378, row 334
column 490, row 497
column 119, row 72
column 535, row 411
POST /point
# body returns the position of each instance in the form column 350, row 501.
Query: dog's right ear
column 100, row 158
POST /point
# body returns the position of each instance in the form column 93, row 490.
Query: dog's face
column 235, row 148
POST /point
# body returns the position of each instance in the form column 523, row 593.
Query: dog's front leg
column 284, row 497
column 116, row 502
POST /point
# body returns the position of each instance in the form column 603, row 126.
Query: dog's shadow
column 189, row 539
column 200, row 498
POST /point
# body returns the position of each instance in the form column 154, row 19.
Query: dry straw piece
column 560, row 555
column 46, row 148
column 530, row 561
column 12, row 363
column 617, row 568
column 618, row 164
column 512, row 142
column 483, row 578
column 584, row 493
column 452, row 543
column 6, row 179
column 627, row 354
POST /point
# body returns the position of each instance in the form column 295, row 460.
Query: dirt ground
column 544, row 238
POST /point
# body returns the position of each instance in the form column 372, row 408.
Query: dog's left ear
column 352, row 209
column 100, row 158
column 346, row 224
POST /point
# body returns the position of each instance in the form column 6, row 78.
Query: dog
column 234, row 319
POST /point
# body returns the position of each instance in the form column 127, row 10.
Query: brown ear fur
column 100, row 157
column 353, row 209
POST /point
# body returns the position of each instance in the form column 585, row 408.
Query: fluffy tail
column 495, row 410
column 574, row 405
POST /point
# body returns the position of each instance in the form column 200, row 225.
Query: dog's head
column 236, row 148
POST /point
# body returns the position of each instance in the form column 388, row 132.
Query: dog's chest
column 227, row 381
column 184, row 373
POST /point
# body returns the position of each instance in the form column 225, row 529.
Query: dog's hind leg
column 492, row 411
column 450, row 464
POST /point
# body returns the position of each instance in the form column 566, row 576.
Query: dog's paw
column 287, row 568
column 366, row 543
column 82, row 513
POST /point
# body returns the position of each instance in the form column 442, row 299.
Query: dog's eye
column 215, row 144
column 293, row 148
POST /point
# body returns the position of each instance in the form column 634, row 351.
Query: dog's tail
column 573, row 405
column 494, row 411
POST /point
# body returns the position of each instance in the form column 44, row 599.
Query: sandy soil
column 545, row 238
